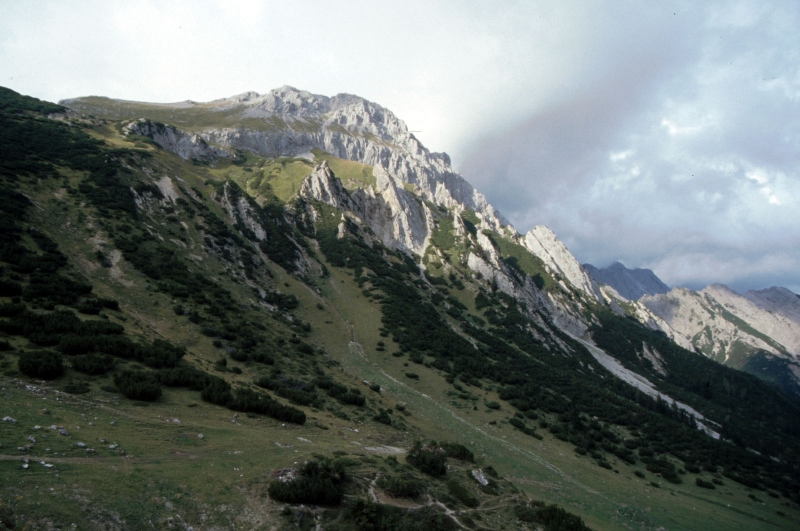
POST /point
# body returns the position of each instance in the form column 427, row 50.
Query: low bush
column 318, row 483
column 248, row 401
column 403, row 486
column 461, row 493
column 383, row 417
column 430, row 459
column 704, row 484
column 138, row 385
column 93, row 364
column 43, row 364
column 557, row 519
column 458, row 451
column 340, row 392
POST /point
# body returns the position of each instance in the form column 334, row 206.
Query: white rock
column 542, row 242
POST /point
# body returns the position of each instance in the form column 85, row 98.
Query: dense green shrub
column 186, row 376
column 458, row 451
column 44, row 364
column 316, row 482
column 524, row 428
column 9, row 288
column 383, row 417
column 297, row 391
column 248, row 401
column 704, row 484
column 368, row 516
column 402, row 486
column 430, row 459
column 341, row 393
column 138, row 385
column 461, row 493
column 93, row 364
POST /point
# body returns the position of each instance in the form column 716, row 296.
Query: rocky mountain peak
column 544, row 243
column 631, row 284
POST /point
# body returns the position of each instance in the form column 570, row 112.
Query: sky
column 664, row 135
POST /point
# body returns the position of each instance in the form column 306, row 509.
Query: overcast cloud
column 664, row 137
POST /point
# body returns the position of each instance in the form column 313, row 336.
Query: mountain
column 630, row 283
column 281, row 310
column 758, row 332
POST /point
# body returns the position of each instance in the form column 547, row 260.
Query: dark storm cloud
column 682, row 156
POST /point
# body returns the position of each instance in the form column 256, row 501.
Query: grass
column 523, row 259
column 352, row 174
column 548, row 470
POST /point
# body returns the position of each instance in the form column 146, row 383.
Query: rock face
column 186, row 145
column 290, row 122
column 630, row 283
column 725, row 325
column 542, row 242
column 393, row 214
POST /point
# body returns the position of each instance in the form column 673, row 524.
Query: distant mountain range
column 629, row 283
column 758, row 332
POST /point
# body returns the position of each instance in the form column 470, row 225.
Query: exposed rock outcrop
column 391, row 212
column 542, row 242
column 186, row 145
column 723, row 324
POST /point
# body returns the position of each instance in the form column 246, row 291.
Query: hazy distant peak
column 630, row 283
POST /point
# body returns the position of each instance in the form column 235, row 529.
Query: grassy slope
column 166, row 470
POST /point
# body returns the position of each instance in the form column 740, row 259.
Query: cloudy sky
column 665, row 137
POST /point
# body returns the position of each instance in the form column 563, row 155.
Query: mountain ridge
column 630, row 283
column 287, row 289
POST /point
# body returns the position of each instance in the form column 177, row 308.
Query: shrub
column 524, row 428
column 71, row 344
column 44, row 364
column 430, row 459
column 318, row 483
column 340, row 392
column 704, row 484
column 161, row 353
column 93, row 364
column 383, row 417
column 555, row 518
column 217, row 391
column 378, row 517
column 138, row 385
column 184, row 376
column 403, row 486
column 297, row 391
column 458, row 451
column 9, row 288
column 248, row 401
column 461, row 493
